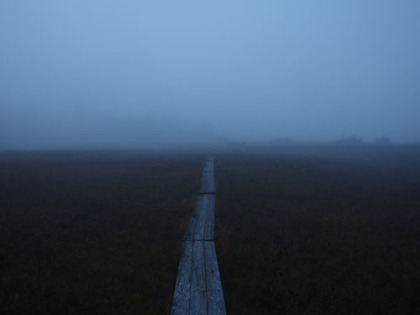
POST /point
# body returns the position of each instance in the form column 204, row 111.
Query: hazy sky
column 96, row 72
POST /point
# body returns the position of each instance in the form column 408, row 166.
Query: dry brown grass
column 320, row 231
column 93, row 232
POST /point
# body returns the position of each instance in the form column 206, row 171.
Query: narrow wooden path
column 198, row 288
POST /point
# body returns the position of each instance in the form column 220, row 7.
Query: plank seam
column 205, row 278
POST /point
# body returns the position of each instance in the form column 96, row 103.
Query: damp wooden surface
column 198, row 289
column 207, row 183
column 215, row 299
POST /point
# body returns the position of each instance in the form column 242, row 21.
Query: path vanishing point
column 198, row 288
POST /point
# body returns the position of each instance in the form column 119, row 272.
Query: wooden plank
column 182, row 294
column 201, row 218
column 209, row 167
column 201, row 224
column 198, row 301
column 189, row 234
column 209, row 228
column 215, row 299
column 207, row 183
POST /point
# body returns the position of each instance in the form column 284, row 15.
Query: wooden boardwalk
column 198, row 288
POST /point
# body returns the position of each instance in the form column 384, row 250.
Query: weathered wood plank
column 189, row 234
column 209, row 165
column 215, row 299
column 182, row 294
column 209, row 228
column 208, row 185
column 201, row 224
column 198, row 300
column 201, row 218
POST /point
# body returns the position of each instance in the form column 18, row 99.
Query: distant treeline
column 354, row 140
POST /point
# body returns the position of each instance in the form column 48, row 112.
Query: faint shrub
column 383, row 141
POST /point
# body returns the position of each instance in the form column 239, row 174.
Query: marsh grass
column 299, row 230
column 93, row 232
column 320, row 231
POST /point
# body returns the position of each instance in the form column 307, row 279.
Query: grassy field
column 93, row 232
column 320, row 230
column 299, row 230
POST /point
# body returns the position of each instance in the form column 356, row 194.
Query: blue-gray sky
column 95, row 72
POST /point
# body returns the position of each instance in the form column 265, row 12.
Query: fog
column 123, row 74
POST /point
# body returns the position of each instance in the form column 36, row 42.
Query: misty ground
column 299, row 229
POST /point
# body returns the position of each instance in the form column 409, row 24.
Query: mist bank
column 46, row 131
column 37, row 130
column 80, row 127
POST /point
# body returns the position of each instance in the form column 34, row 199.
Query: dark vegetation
column 320, row 230
column 299, row 229
column 92, row 232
